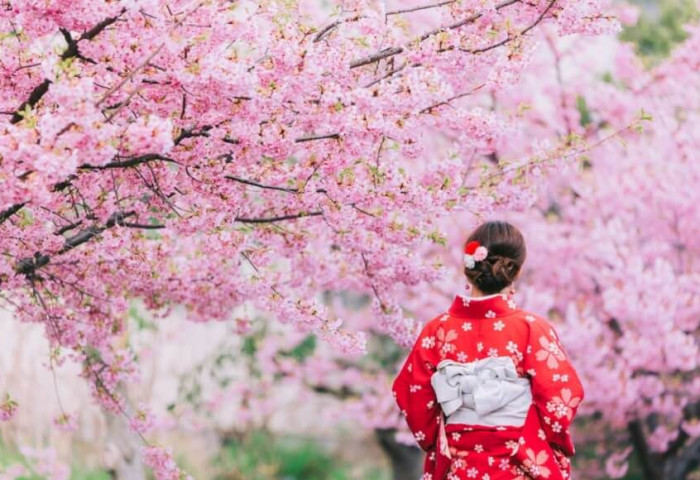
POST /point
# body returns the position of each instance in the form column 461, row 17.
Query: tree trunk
column 406, row 461
column 686, row 462
column 651, row 468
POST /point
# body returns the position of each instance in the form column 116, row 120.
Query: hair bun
column 506, row 256
column 504, row 268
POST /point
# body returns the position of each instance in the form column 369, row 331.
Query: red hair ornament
column 474, row 252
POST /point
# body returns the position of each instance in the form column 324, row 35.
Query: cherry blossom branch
column 72, row 51
column 386, row 53
column 390, row 52
column 28, row 266
column 6, row 214
column 311, row 138
column 389, row 74
column 511, row 38
column 129, row 76
column 560, row 81
column 87, row 234
column 34, row 97
column 143, row 226
column 132, row 162
column 268, row 187
column 326, row 30
column 67, row 228
column 456, row 97
column 97, row 29
column 369, row 275
column 472, row 51
column 278, row 219
column 255, row 184
column 468, row 20
column 100, row 384
column 145, row 62
column 422, row 7
column 191, row 133
column 587, row 148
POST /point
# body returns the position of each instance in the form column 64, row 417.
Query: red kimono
column 472, row 330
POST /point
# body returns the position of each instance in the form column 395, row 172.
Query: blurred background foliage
column 263, row 456
column 660, row 28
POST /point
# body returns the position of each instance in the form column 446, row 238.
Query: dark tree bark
column 677, row 463
column 686, row 462
column 651, row 468
column 406, row 461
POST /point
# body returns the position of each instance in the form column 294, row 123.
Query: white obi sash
column 484, row 392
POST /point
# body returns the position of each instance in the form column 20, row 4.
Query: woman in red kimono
column 487, row 389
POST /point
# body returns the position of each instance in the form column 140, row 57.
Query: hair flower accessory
column 474, row 252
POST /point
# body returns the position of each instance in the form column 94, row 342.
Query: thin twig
column 326, row 30
column 311, row 138
column 422, row 7
column 445, row 102
column 278, row 219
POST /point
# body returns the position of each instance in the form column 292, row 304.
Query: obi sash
column 484, row 392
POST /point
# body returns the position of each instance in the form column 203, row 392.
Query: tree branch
column 72, row 51
column 326, row 30
column 277, row 219
column 131, row 162
column 255, row 184
column 34, row 97
column 97, row 29
column 390, row 52
column 144, row 226
column 268, row 187
column 511, row 38
column 28, row 266
column 310, row 138
column 446, row 102
column 4, row 215
column 422, row 7
column 203, row 132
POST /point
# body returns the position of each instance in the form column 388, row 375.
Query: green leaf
column 438, row 238
column 302, row 350
column 584, row 112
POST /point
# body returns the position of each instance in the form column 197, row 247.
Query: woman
column 487, row 389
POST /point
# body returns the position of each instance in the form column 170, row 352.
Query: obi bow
column 470, row 392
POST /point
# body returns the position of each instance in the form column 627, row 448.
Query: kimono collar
column 489, row 306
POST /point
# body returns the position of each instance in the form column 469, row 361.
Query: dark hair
column 506, row 255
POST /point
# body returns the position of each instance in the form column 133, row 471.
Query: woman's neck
column 476, row 293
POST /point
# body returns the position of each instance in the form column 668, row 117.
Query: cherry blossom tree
column 615, row 257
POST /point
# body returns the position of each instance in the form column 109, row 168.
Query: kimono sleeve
column 413, row 392
column 556, row 389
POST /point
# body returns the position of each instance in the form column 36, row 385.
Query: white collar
column 485, row 297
